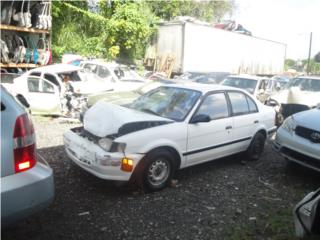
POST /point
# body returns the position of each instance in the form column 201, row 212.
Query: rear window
column 239, row 103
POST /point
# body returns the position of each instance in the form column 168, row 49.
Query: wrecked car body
column 115, row 76
column 259, row 87
column 300, row 94
column 307, row 215
column 48, row 93
column 166, row 129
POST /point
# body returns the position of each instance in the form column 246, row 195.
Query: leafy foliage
column 203, row 10
column 120, row 28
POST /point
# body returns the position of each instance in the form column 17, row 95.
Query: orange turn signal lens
column 127, row 165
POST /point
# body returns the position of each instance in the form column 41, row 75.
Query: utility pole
column 308, row 64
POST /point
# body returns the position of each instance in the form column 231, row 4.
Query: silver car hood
column 104, row 119
column 309, row 119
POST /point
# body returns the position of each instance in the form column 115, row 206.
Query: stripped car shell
column 114, row 140
column 300, row 94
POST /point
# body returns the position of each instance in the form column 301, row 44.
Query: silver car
column 298, row 139
column 26, row 184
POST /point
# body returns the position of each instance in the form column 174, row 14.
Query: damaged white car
column 46, row 92
column 259, row 87
column 116, row 76
column 169, row 128
column 300, row 94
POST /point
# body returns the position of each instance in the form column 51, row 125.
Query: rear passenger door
column 245, row 116
column 42, row 96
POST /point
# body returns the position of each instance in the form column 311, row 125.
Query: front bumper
column 25, row 193
column 95, row 160
column 297, row 149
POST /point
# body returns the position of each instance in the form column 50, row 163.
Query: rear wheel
column 256, row 147
column 157, row 171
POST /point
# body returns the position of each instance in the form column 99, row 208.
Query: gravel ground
column 224, row 199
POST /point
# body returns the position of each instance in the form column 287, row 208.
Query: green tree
column 203, row 10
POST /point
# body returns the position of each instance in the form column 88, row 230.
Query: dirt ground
column 224, row 199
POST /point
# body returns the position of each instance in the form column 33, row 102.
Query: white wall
column 211, row 49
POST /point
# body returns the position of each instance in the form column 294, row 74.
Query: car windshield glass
column 243, row 83
column 306, row 84
column 152, row 85
column 169, row 102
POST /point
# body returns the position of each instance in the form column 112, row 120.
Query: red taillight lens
column 23, row 127
column 24, row 158
column 25, row 146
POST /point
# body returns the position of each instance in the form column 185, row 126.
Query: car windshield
column 306, row 84
column 243, row 83
column 169, row 102
column 152, row 85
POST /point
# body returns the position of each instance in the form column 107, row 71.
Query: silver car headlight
column 289, row 124
column 105, row 143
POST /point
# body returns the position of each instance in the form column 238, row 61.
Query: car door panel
column 42, row 100
column 210, row 140
column 245, row 116
column 207, row 141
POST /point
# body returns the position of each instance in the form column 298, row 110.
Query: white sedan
column 298, row 139
column 169, row 128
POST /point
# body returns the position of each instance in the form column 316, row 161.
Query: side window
column 214, row 105
column 52, row 79
column 47, row 87
column 90, row 67
column 263, row 84
column 238, row 103
column 38, row 74
column 252, row 105
column 33, row 84
column 103, row 72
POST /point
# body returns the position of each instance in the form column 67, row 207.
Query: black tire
column 256, row 147
column 156, row 171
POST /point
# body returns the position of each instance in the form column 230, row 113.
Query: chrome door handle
column 228, row 127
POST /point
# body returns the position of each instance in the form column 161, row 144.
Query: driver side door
column 210, row 140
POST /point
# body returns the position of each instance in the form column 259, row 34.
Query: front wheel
column 158, row 171
column 256, row 147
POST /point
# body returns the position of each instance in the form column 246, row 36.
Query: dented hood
column 295, row 95
column 104, row 119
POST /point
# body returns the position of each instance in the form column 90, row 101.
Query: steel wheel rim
column 158, row 172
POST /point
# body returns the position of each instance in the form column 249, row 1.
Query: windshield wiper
column 149, row 111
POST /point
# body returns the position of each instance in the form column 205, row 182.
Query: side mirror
column 200, row 118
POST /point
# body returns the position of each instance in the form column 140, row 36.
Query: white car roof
column 204, row 88
column 57, row 68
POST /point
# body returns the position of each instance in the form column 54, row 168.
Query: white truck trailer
column 198, row 47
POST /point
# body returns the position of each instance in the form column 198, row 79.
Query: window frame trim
column 203, row 97
column 246, row 96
